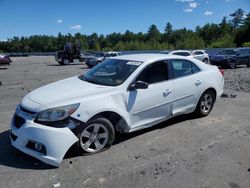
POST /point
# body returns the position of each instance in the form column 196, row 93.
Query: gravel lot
column 182, row 152
column 237, row 79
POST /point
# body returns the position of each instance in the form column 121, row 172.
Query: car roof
column 180, row 51
column 198, row 50
column 148, row 57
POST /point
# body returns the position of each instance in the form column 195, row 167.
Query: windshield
column 111, row 72
column 228, row 52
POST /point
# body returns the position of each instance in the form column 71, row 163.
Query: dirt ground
column 182, row 152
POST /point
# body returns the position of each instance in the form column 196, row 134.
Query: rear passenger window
column 195, row 68
column 156, row 72
column 182, row 68
column 182, row 53
column 198, row 53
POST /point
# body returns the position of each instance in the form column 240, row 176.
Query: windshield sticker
column 136, row 63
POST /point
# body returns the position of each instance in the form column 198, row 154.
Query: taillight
column 222, row 71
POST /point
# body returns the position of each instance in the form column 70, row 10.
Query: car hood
column 68, row 91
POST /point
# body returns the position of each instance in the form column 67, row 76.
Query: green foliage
column 224, row 42
column 234, row 32
column 238, row 17
column 243, row 33
column 246, row 44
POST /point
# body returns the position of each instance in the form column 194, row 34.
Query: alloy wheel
column 206, row 103
column 94, row 137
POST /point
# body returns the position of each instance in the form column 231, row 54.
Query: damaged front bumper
column 45, row 143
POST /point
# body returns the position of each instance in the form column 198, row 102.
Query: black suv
column 231, row 58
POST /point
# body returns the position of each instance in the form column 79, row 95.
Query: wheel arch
column 120, row 124
column 213, row 90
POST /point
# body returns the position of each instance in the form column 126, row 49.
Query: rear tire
column 205, row 60
column 96, row 136
column 205, row 104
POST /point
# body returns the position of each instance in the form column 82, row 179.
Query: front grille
column 26, row 111
column 13, row 137
column 18, row 121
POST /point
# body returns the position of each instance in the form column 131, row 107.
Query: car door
column 188, row 85
column 246, row 56
column 147, row 106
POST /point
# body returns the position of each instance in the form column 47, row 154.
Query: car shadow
column 126, row 136
column 11, row 157
column 122, row 137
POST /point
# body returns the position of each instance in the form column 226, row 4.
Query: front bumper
column 54, row 142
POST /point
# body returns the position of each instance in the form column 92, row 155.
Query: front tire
column 96, row 136
column 205, row 104
column 232, row 65
column 65, row 61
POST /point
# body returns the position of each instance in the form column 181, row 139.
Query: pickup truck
column 231, row 58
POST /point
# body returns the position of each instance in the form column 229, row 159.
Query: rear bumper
column 54, row 142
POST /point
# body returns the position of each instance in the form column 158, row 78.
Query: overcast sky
column 30, row 17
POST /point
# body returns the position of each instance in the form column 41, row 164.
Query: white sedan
column 201, row 55
column 122, row 94
column 184, row 53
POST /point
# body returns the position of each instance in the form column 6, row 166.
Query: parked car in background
column 165, row 52
column 231, row 58
column 92, row 61
column 111, row 54
column 123, row 94
column 201, row 55
column 185, row 53
column 100, row 57
column 70, row 52
column 4, row 59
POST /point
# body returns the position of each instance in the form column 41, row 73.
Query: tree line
column 234, row 32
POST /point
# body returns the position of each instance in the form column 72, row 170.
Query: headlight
column 57, row 114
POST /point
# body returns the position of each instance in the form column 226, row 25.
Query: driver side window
column 154, row 73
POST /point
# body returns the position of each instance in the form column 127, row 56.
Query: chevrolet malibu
column 123, row 94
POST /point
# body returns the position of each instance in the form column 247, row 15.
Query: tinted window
column 182, row 53
column 198, row 53
column 228, row 52
column 156, row 72
column 182, row 68
column 195, row 69
column 246, row 51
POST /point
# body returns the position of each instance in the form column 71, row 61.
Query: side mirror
column 138, row 85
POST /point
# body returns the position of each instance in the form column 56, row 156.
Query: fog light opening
column 38, row 146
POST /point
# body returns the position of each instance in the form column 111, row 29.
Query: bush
column 224, row 42
column 246, row 44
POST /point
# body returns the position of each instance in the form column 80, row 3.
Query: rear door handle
column 198, row 82
column 167, row 92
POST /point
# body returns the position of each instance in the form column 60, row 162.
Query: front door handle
column 167, row 92
column 198, row 82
